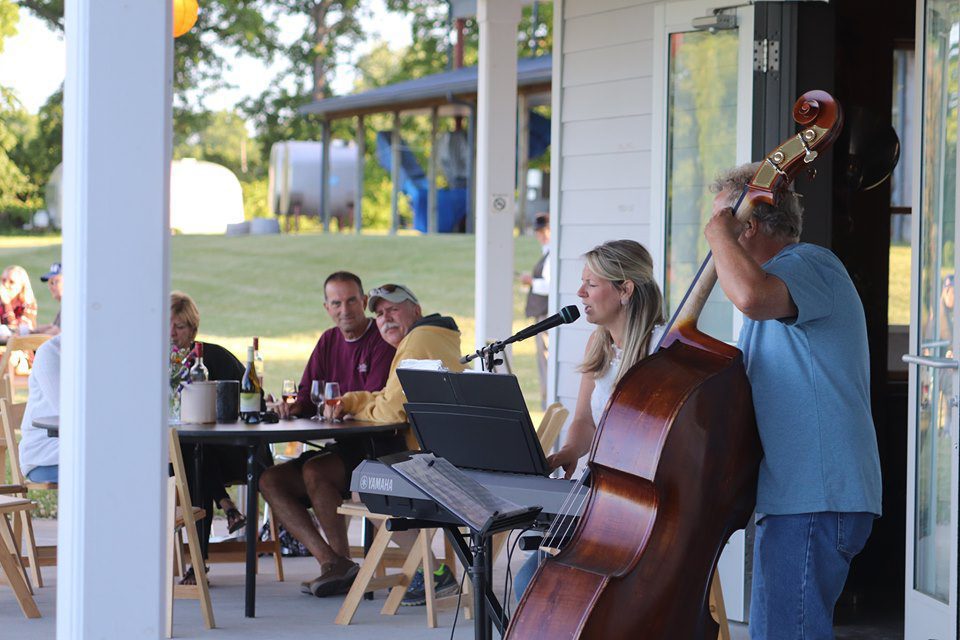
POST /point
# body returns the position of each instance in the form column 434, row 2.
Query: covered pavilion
column 442, row 95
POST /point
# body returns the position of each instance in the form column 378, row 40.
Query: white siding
column 603, row 165
column 609, row 62
column 609, row 28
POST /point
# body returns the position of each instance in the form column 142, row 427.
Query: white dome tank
column 204, row 197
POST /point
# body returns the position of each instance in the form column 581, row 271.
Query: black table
column 251, row 437
column 50, row 423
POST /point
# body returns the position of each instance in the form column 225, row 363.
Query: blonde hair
column 182, row 307
column 23, row 288
column 619, row 261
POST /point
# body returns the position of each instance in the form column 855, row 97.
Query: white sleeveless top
column 603, row 386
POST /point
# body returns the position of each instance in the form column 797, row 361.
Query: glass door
column 705, row 108
column 931, row 555
column 703, row 103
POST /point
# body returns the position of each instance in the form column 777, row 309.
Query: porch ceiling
column 440, row 89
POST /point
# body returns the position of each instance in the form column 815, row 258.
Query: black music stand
column 474, row 420
column 477, row 508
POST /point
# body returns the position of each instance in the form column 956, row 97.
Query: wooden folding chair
column 233, row 550
column 8, row 375
column 717, row 609
column 11, row 415
column 183, row 518
column 373, row 576
column 550, row 426
column 11, row 563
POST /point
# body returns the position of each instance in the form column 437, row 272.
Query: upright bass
column 673, row 466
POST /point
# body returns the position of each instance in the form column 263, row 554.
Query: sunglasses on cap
column 392, row 293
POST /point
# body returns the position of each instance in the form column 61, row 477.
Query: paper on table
column 422, row 365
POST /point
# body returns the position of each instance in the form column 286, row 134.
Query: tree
column 333, row 28
column 15, row 187
column 41, row 149
column 237, row 26
column 223, row 140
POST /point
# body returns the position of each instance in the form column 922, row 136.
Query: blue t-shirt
column 811, row 392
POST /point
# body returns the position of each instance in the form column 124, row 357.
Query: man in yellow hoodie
column 402, row 324
column 415, row 337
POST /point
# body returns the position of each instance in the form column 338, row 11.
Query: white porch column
column 496, row 150
column 113, row 454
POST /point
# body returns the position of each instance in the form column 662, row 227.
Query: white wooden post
column 523, row 161
column 496, row 149
column 432, row 225
column 116, row 227
column 325, row 178
column 395, row 142
column 361, row 162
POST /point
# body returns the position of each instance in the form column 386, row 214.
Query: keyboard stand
column 483, row 513
column 477, row 558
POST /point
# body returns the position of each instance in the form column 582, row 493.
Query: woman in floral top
column 220, row 462
column 19, row 303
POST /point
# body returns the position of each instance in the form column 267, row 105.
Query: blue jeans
column 800, row 563
column 46, row 473
column 525, row 574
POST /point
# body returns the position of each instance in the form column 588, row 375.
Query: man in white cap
column 54, row 280
column 416, row 337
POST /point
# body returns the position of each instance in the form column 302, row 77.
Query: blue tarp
column 451, row 203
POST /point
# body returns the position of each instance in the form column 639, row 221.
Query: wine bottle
column 250, row 391
column 198, row 372
column 258, row 360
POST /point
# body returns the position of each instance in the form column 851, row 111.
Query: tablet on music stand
column 476, row 421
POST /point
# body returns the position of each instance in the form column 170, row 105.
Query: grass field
column 898, row 311
column 271, row 286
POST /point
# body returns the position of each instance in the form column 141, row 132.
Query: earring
column 623, row 302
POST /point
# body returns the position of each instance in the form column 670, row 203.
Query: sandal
column 235, row 520
column 189, row 577
column 336, row 579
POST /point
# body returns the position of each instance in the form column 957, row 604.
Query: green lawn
column 898, row 311
column 271, row 286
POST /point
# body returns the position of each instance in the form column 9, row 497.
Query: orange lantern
column 184, row 16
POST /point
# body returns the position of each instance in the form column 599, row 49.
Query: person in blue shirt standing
column 804, row 342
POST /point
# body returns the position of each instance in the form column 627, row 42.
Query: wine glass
column 316, row 397
column 288, row 392
column 331, row 396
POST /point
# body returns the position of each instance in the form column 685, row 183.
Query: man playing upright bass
column 804, row 343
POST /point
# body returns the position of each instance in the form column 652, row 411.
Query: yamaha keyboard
column 383, row 490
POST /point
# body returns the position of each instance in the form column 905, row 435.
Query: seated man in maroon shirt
column 354, row 354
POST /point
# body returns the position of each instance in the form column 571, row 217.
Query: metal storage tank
column 295, row 178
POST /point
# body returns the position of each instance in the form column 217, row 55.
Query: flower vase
column 175, row 406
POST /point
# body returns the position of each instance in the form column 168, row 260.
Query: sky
column 33, row 62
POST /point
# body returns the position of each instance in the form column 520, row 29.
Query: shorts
column 353, row 451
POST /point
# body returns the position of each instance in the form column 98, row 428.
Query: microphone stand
column 488, row 356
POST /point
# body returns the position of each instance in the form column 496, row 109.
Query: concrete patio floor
column 283, row 612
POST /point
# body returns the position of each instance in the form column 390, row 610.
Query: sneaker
column 336, row 579
column 444, row 584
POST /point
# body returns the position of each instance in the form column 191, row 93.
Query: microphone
column 565, row 316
